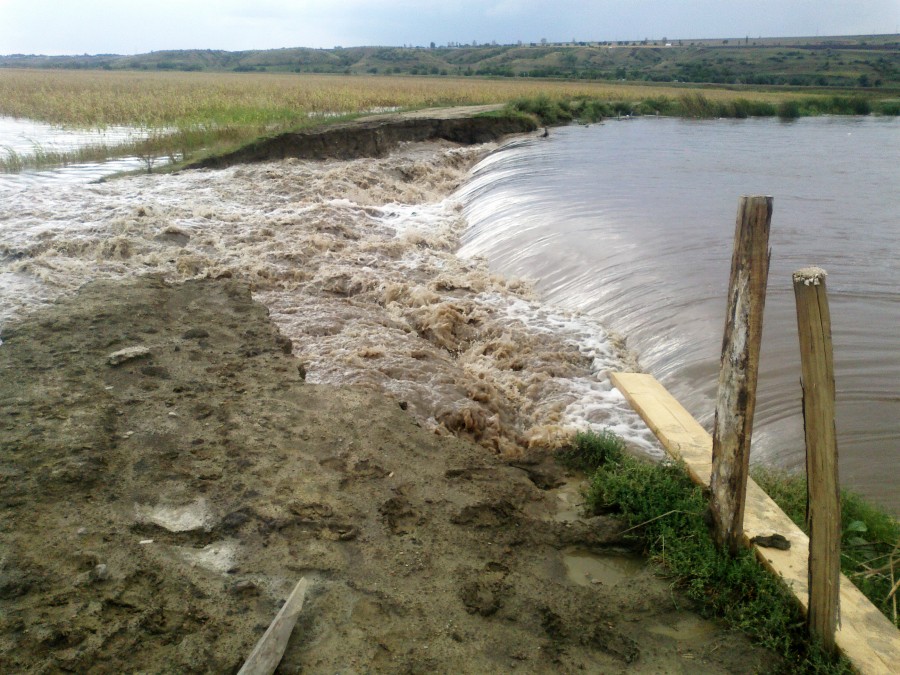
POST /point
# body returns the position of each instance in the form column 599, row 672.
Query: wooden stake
column 823, row 510
column 736, row 396
column 267, row 653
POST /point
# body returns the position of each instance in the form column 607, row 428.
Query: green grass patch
column 546, row 110
column 589, row 451
column 696, row 105
column 870, row 543
column 668, row 514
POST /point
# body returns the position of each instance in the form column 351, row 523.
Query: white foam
column 356, row 261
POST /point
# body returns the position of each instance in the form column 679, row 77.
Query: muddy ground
column 156, row 511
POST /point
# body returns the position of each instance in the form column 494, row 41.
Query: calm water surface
column 26, row 137
column 633, row 222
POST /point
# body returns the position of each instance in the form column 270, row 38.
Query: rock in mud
column 127, row 354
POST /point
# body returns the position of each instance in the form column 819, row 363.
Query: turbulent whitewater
column 356, row 261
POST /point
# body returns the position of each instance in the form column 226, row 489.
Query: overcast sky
column 134, row 27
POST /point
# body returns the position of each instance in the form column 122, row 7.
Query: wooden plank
column 738, row 367
column 267, row 653
column 823, row 490
column 865, row 636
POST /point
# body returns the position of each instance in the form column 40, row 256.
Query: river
column 631, row 222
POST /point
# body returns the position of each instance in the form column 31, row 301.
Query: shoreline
column 377, row 135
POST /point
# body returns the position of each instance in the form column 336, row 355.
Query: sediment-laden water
column 632, row 223
column 357, row 264
column 622, row 226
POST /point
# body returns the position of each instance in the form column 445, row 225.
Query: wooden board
column 865, row 636
column 267, row 653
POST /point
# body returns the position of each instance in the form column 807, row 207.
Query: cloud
column 120, row 26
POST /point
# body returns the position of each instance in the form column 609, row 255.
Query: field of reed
column 186, row 115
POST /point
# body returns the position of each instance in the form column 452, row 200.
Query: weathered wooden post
column 736, row 397
column 823, row 510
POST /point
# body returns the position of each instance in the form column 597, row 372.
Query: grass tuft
column 789, row 110
column 589, row 451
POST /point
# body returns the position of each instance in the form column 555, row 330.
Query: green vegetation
column 667, row 513
column 695, row 104
column 187, row 116
column 591, row 450
column 848, row 62
column 870, row 551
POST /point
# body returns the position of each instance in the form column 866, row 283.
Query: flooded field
column 21, row 139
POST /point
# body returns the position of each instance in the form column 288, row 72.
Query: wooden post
column 736, row 396
column 823, row 506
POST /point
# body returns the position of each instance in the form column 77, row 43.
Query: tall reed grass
column 193, row 113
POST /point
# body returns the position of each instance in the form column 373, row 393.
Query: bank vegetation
column 186, row 115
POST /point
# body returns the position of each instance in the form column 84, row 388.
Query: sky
column 136, row 27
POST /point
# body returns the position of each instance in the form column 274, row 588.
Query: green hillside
column 863, row 61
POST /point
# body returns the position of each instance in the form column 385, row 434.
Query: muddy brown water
column 632, row 223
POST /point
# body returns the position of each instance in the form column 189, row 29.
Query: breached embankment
column 157, row 509
column 356, row 262
column 377, row 135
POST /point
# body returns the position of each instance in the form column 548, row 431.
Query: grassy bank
column 700, row 105
column 667, row 512
column 188, row 115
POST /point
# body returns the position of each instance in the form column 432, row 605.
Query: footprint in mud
column 470, row 473
column 365, row 468
column 486, row 514
column 398, row 515
column 613, row 642
column 338, row 532
column 562, row 630
column 335, row 464
column 484, row 594
column 321, row 519
column 311, row 511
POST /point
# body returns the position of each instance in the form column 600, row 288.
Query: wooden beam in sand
column 866, row 637
column 267, row 653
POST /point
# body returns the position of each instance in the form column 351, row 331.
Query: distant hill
column 860, row 61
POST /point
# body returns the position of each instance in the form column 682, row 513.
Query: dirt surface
column 167, row 476
column 376, row 135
